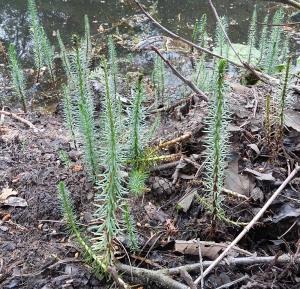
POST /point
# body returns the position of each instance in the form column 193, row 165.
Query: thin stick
column 180, row 76
column 20, row 119
column 231, row 261
column 175, row 140
column 177, row 37
column 250, row 225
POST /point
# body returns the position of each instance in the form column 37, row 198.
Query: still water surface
column 67, row 16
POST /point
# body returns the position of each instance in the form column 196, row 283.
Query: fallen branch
column 162, row 277
column 155, row 276
column 20, row 119
column 250, row 225
column 231, row 261
column 180, row 76
column 177, row 37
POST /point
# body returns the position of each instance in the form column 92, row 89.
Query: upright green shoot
column 283, row 98
column 87, row 41
column 158, row 80
column 35, row 29
column 252, row 34
column 263, row 41
column 17, row 75
column 222, row 46
column 85, row 108
column 217, row 141
column 71, row 219
column 64, row 55
column 113, row 65
column 110, row 197
column 274, row 44
column 48, row 53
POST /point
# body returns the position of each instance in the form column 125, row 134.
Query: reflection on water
column 67, row 16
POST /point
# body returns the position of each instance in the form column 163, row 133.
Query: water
column 67, row 16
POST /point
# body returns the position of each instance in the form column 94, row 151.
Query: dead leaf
column 292, row 119
column 254, row 147
column 286, row 211
column 257, row 194
column 77, row 168
column 236, row 182
column 260, row 176
column 209, row 250
column 185, row 202
column 15, row 202
column 7, row 192
column 171, row 229
column 155, row 214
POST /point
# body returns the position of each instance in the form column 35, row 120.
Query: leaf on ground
column 242, row 184
column 15, row 202
column 257, row 194
column 286, row 211
column 254, row 147
column 155, row 214
column 185, row 202
column 292, row 119
column 209, row 250
column 260, row 176
column 7, row 192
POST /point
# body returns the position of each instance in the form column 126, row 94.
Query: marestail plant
column 110, row 199
column 79, row 87
column 158, row 80
column 222, row 46
column 72, row 222
column 42, row 50
column 274, row 44
column 217, row 141
column 252, row 34
column 17, row 75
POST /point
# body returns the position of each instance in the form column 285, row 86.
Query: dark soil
column 36, row 251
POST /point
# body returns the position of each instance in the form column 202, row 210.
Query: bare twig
column 175, row 36
column 250, row 225
column 20, row 119
column 189, row 83
column 175, row 140
column 231, row 261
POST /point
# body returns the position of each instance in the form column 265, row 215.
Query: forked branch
column 175, row 36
